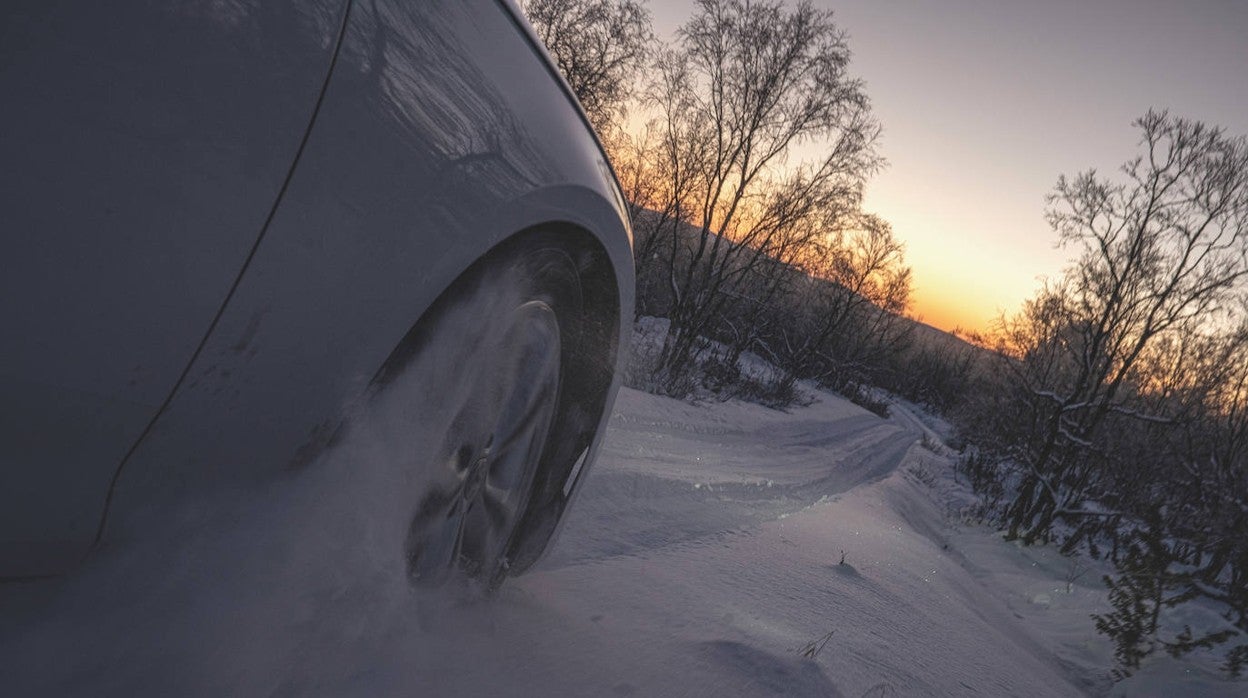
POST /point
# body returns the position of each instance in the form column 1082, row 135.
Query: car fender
column 441, row 135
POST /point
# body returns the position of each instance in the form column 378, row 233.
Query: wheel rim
column 486, row 462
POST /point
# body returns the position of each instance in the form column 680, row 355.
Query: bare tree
column 808, row 225
column 599, row 45
column 1120, row 407
column 1162, row 253
column 859, row 284
column 659, row 169
column 749, row 82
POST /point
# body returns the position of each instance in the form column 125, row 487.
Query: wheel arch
column 596, row 276
column 592, row 345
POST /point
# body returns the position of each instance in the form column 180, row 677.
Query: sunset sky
column 985, row 102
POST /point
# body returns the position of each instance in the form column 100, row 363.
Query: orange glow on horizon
column 973, row 257
column 964, row 289
column 950, row 317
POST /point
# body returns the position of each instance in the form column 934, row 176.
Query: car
column 236, row 231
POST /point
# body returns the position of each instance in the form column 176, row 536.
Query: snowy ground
column 702, row 556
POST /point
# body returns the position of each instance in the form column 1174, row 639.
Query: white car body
column 220, row 219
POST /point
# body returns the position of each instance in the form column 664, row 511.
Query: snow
column 703, row 554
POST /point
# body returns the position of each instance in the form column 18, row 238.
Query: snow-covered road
column 703, row 553
column 706, row 552
column 675, row 474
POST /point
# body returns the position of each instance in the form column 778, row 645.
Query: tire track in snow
column 664, row 482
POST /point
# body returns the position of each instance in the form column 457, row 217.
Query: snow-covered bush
column 717, row 374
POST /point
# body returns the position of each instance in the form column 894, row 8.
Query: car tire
column 493, row 359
